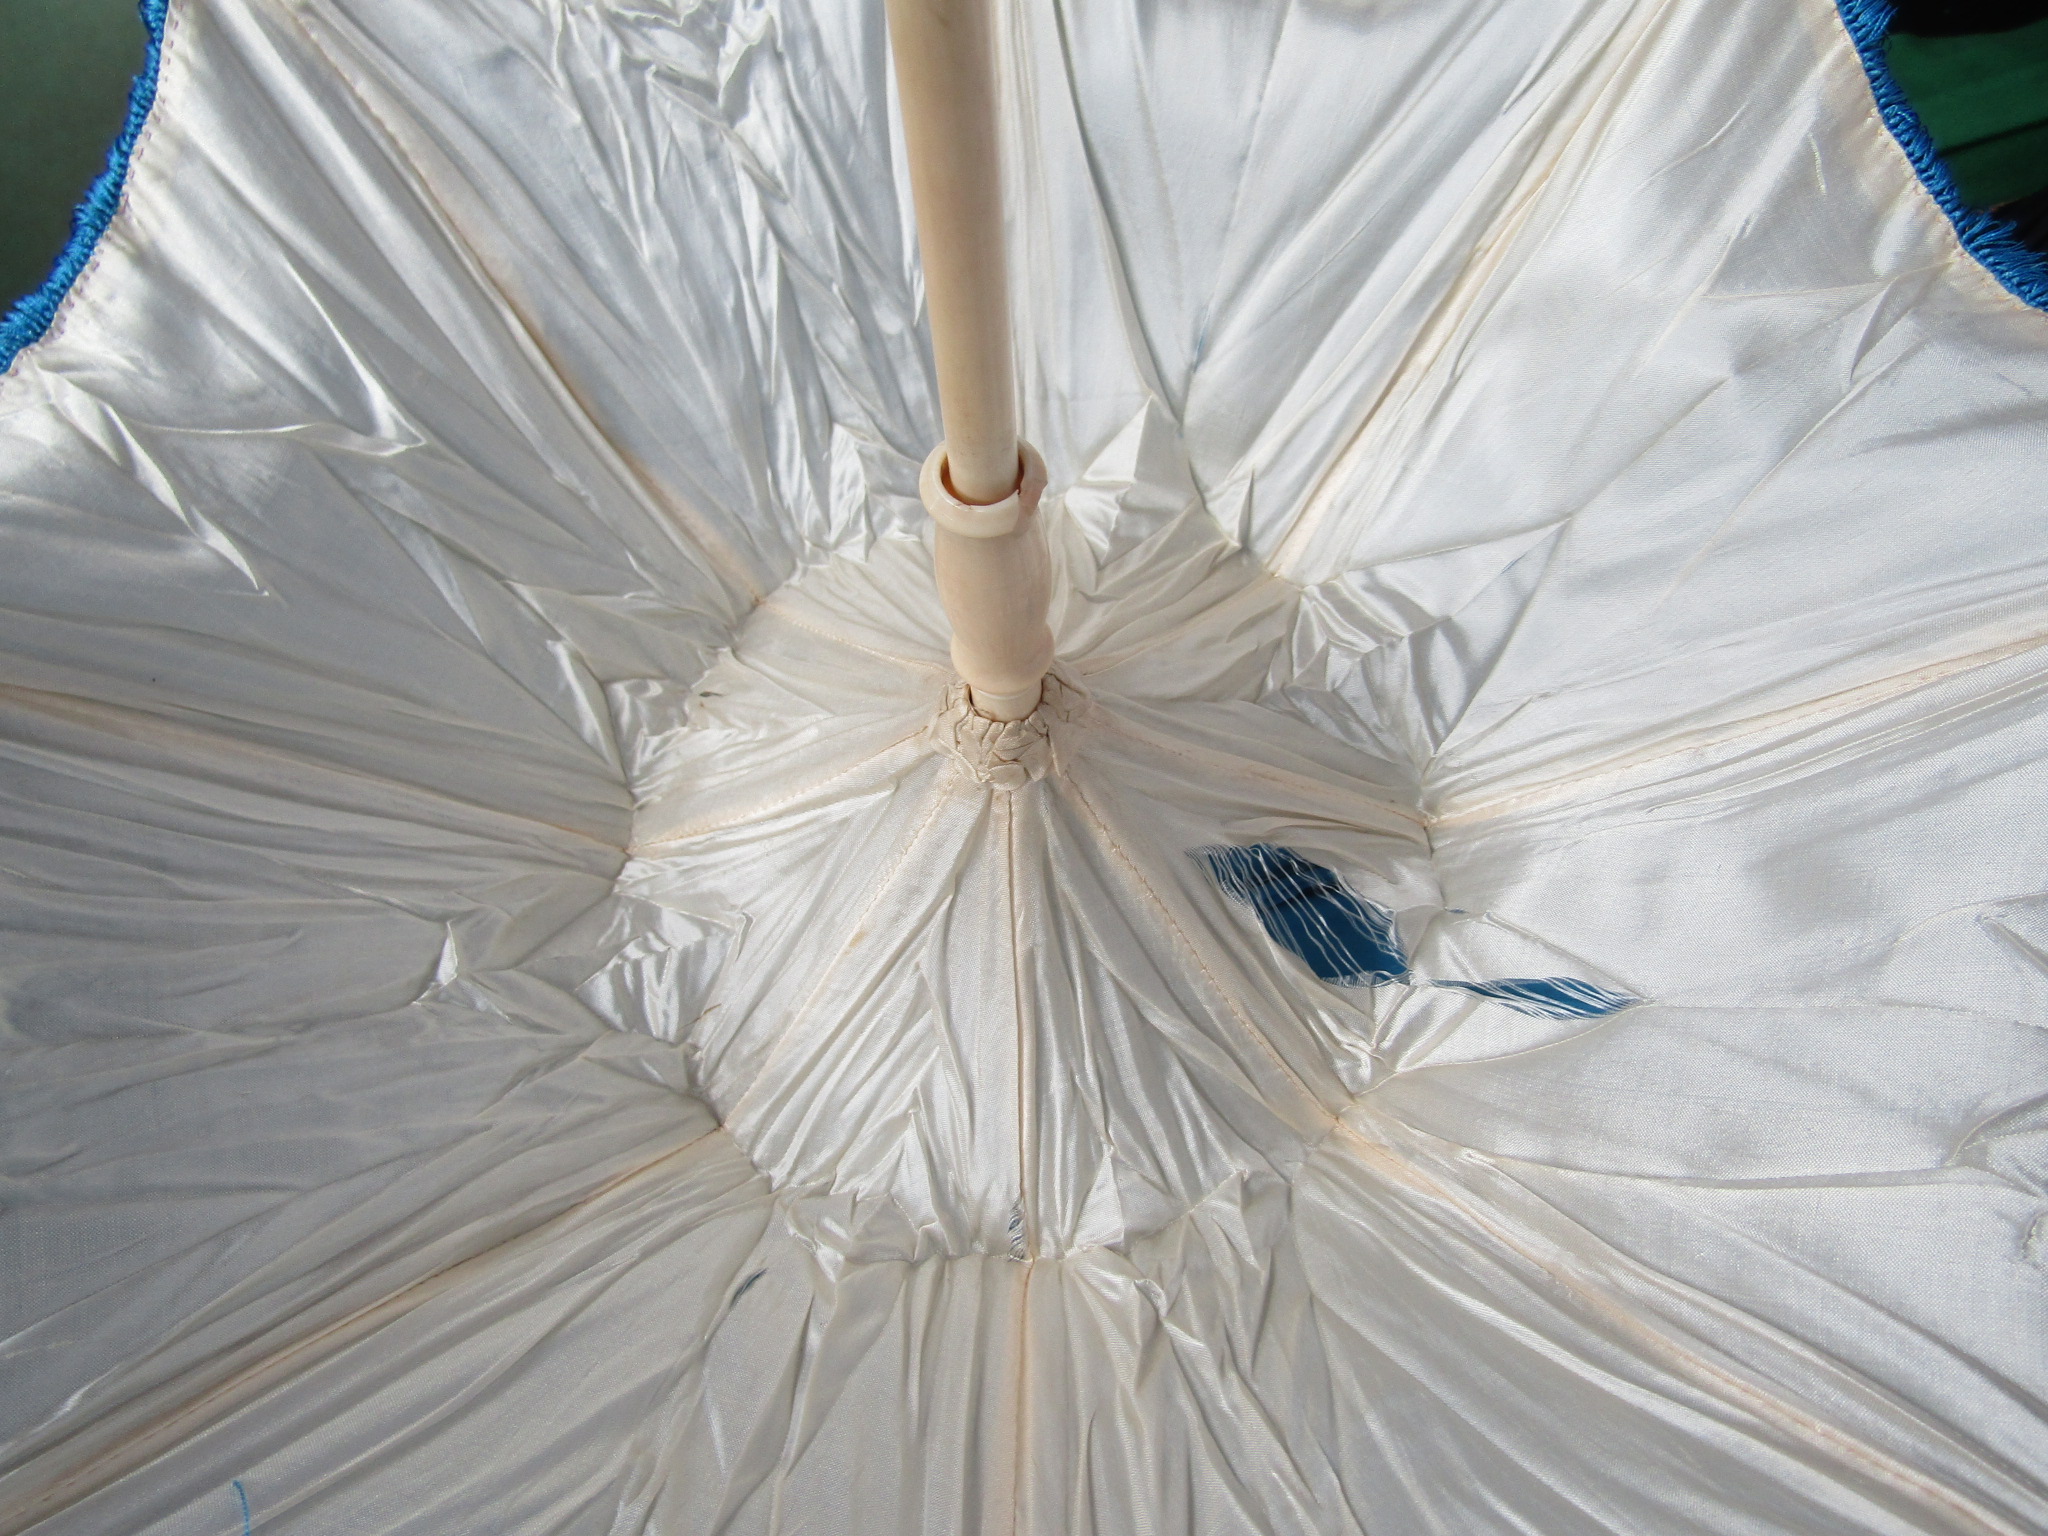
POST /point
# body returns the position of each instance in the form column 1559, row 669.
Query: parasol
column 1496, row 986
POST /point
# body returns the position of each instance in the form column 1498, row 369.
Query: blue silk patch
column 1305, row 909
column 1548, row 997
column 1343, row 938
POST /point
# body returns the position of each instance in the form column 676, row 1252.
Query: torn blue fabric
column 1305, row 908
column 1548, row 997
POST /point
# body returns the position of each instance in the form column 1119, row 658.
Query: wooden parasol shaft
column 945, row 76
column 982, row 485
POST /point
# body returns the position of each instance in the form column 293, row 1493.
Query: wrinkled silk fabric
column 531, row 1007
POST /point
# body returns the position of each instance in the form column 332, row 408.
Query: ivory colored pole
column 995, row 580
column 945, row 77
column 981, row 485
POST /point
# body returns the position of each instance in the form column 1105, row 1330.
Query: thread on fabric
column 1548, row 997
column 242, row 1494
column 1306, row 910
column 31, row 316
column 1994, row 242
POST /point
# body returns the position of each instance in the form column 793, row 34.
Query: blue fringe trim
column 30, row 317
column 1993, row 241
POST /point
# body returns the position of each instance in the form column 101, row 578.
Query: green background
column 65, row 66
column 1985, row 100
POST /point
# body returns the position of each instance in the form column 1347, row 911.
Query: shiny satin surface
column 532, row 1007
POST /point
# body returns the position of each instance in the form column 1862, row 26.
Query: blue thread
column 1994, row 242
column 1548, row 997
column 1305, row 909
column 31, row 316
column 243, row 1494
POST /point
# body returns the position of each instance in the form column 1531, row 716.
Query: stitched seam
column 1250, row 1030
column 755, row 813
column 41, row 1505
column 783, row 1040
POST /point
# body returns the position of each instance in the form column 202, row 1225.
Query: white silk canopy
column 1504, row 991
